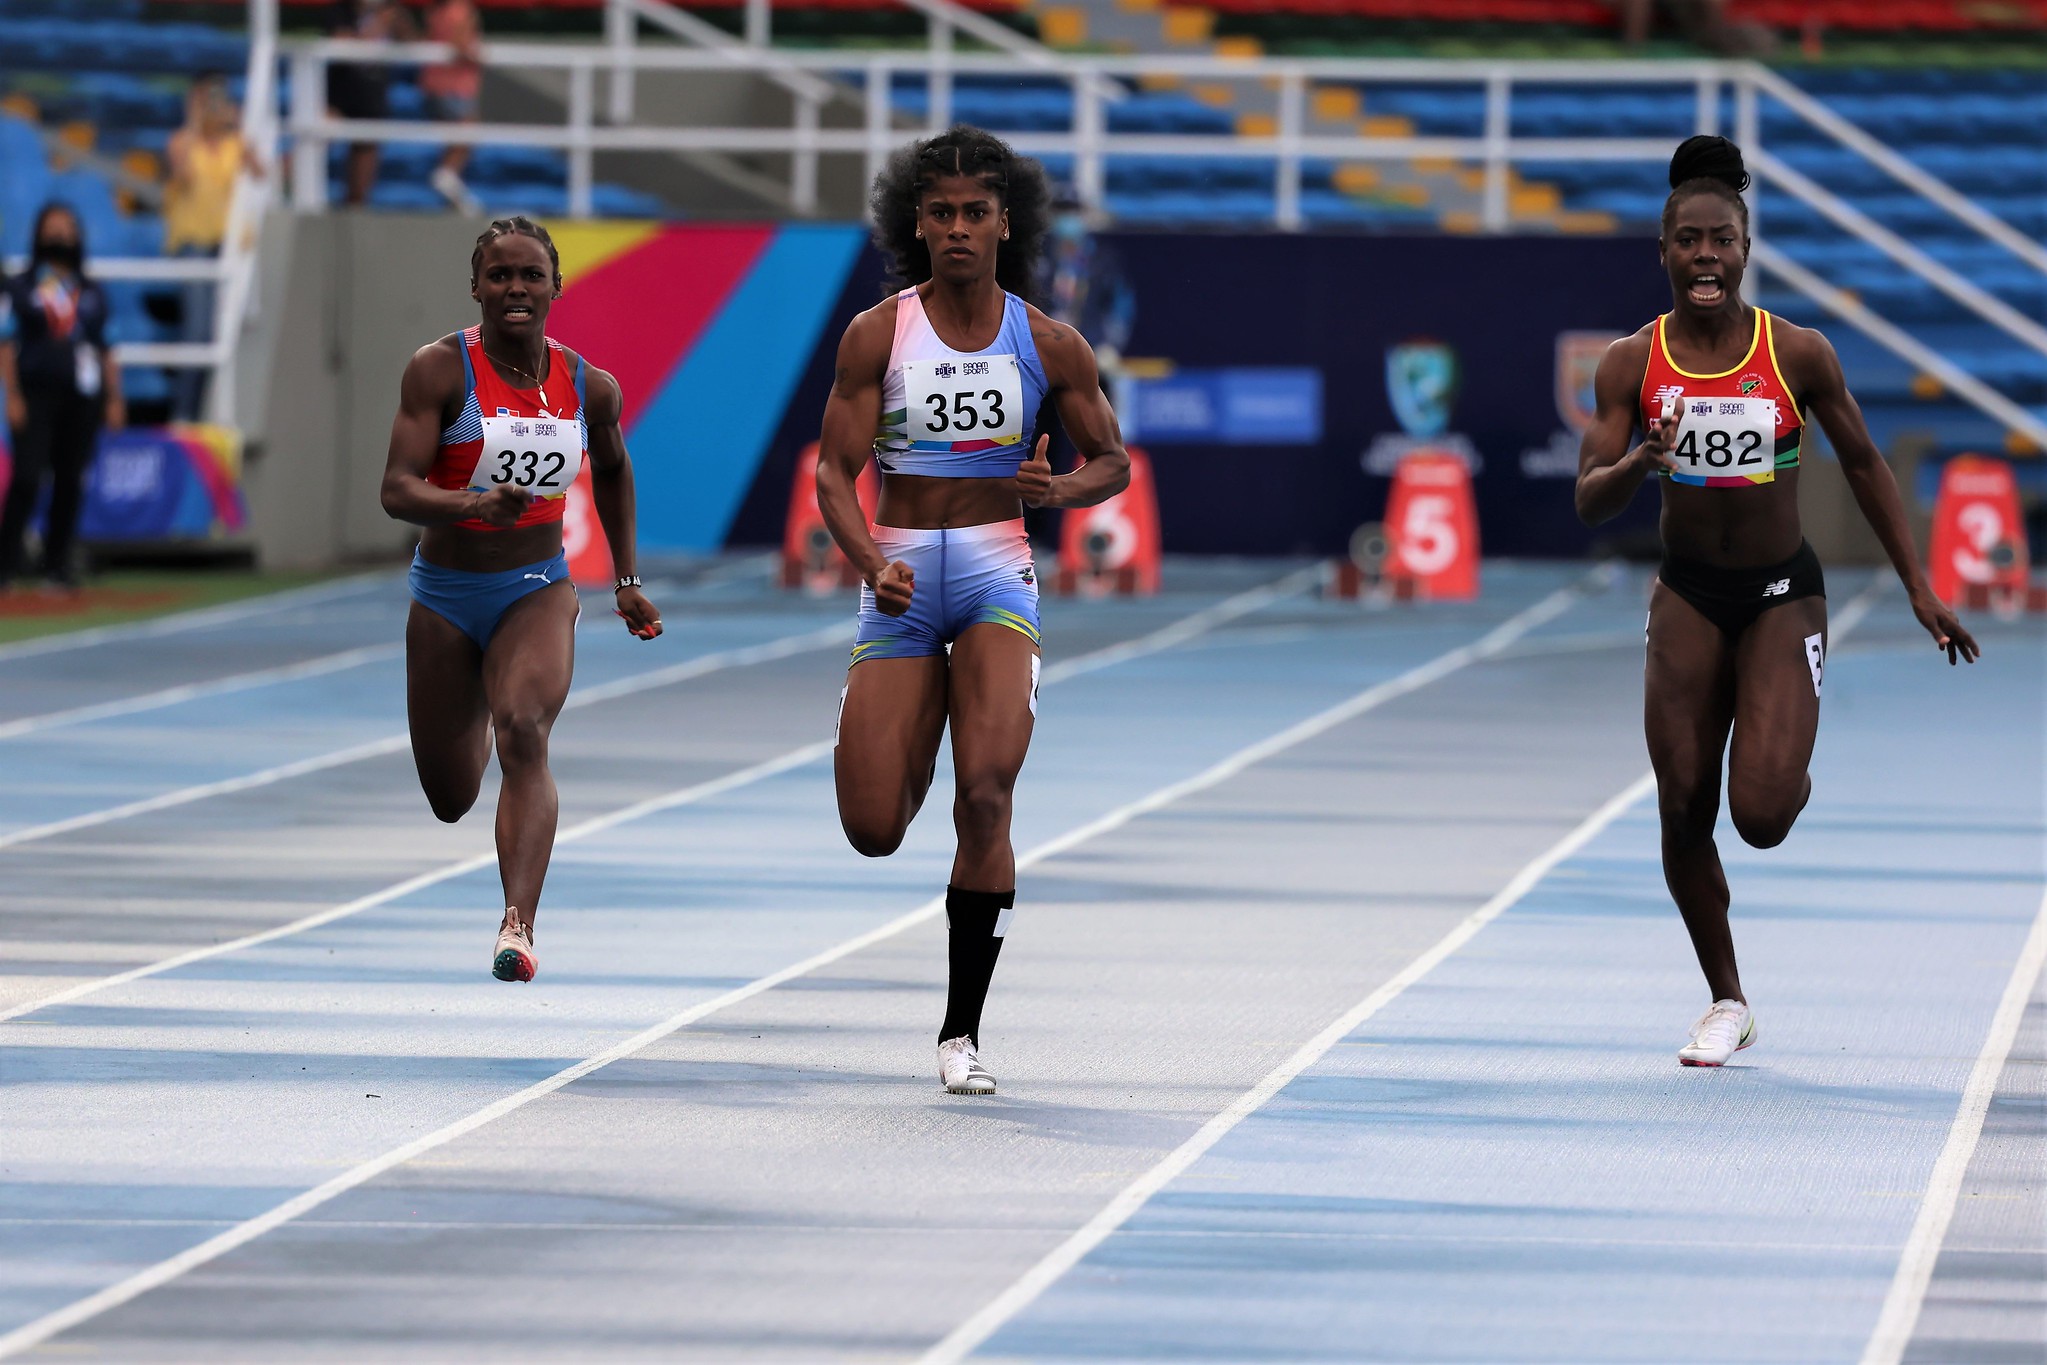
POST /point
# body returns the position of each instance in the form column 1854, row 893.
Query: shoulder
column 872, row 333
column 1800, row 348
column 1054, row 339
column 603, row 399
column 436, row 368
column 1626, row 362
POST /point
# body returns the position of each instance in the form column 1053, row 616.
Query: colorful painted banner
column 181, row 482
column 708, row 329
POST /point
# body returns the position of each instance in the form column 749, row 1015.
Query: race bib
column 1726, row 440
column 539, row 454
column 972, row 401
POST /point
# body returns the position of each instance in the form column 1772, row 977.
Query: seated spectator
column 451, row 90
column 207, row 156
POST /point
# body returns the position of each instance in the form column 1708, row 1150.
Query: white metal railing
column 817, row 77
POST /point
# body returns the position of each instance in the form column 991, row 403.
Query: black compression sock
column 976, row 920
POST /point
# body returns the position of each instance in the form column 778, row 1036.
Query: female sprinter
column 941, row 385
column 492, row 425
column 1738, row 616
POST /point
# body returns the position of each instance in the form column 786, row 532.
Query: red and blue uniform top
column 560, row 396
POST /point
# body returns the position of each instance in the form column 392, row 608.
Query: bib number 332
column 539, row 454
column 1727, row 438
column 978, row 398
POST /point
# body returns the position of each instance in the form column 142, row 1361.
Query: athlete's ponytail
column 1018, row 182
column 1706, row 164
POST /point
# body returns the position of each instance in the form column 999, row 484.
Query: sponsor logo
column 1388, row 449
column 1421, row 386
column 974, row 367
column 1667, row 391
column 1578, row 357
column 1702, row 408
column 521, row 429
column 1777, row 589
column 945, row 369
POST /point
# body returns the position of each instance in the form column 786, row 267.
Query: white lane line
column 969, row 1335
column 199, row 618
column 783, row 648
column 963, row 1340
column 1164, row 638
column 1188, row 627
column 1900, row 1315
column 210, row 687
column 163, row 1272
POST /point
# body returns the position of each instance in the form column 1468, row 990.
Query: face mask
column 62, row 254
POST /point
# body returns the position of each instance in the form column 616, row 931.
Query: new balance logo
column 1777, row 589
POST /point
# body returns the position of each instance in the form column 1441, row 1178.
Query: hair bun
column 1706, row 157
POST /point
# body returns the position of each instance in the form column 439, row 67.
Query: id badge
column 1723, row 441
column 539, row 454
column 971, row 401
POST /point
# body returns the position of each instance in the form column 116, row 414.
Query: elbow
column 391, row 497
column 1588, row 509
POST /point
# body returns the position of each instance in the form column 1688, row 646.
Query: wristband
column 631, row 580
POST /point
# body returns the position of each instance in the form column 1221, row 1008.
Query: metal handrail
column 1916, row 178
column 1899, row 342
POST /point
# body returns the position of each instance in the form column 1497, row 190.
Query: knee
column 1763, row 820
column 873, row 838
column 980, row 808
column 1687, row 812
column 521, row 738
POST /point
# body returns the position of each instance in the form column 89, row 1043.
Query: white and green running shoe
column 1723, row 1030
column 960, row 1069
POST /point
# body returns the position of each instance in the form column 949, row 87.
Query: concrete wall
column 345, row 300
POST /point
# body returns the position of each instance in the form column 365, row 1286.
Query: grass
column 134, row 595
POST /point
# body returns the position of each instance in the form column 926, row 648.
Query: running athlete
column 493, row 424
column 1738, row 615
column 940, row 385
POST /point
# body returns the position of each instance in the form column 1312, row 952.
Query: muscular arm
column 432, row 379
column 611, row 489
column 1811, row 357
column 1085, row 413
column 1609, row 471
column 851, row 415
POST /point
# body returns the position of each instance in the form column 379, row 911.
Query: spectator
column 207, row 156
column 451, row 90
column 363, row 89
column 1703, row 23
column 62, row 383
column 1084, row 285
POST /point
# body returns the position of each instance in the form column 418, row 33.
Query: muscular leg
column 444, row 704
column 526, row 674
column 991, row 731
column 1689, row 704
column 1776, row 717
column 889, row 728
column 990, row 707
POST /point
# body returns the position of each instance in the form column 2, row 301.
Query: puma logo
column 541, row 576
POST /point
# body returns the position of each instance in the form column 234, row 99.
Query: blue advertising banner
column 1275, row 405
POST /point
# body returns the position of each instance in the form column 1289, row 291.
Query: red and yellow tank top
column 1736, row 428
column 559, row 396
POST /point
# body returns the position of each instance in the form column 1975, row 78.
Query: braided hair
column 1706, row 165
column 518, row 225
column 1018, row 182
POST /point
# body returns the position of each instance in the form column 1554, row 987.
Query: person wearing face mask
column 62, row 385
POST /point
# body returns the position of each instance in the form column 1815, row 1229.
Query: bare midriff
column 1733, row 528
column 918, row 502
column 473, row 551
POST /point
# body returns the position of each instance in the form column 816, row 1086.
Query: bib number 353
column 1727, row 438
column 539, row 454
column 979, row 398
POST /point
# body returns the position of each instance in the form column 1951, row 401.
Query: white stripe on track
column 1899, row 1318
column 210, row 687
column 963, row 1340
column 1164, row 638
column 198, row 618
column 783, row 648
column 163, row 1272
